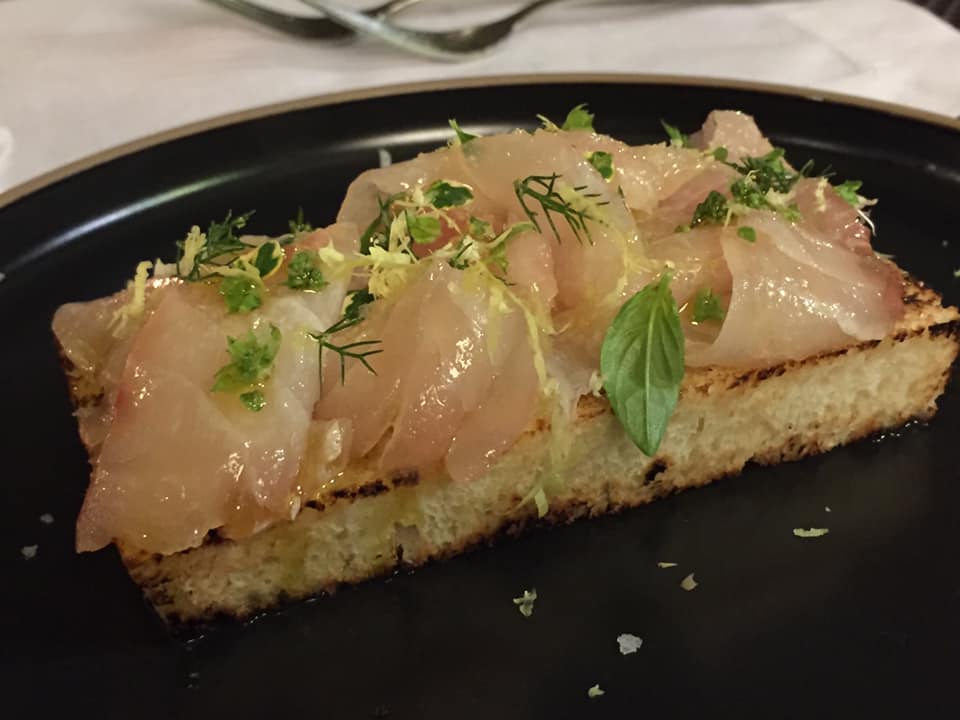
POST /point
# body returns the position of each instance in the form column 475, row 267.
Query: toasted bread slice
column 367, row 525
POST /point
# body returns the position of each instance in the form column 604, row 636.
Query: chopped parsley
column 446, row 193
column 253, row 400
column 251, row 362
column 769, row 172
column 603, row 162
column 746, row 193
column 579, row 119
column 677, row 138
column 304, row 272
column 298, row 226
column 479, row 229
column 462, row 137
column 706, row 306
column 422, row 228
column 713, row 209
column 848, row 191
column 720, row 154
column 241, row 294
column 747, row 233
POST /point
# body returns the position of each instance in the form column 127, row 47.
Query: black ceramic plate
column 864, row 621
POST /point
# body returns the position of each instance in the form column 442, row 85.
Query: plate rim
column 87, row 162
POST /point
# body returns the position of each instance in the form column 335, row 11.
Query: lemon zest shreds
column 192, row 245
column 133, row 308
column 389, row 271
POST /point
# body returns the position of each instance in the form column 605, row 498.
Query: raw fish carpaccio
column 458, row 297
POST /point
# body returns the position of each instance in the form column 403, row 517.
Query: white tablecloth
column 79, row 76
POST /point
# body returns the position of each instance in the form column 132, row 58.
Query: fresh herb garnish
column 359, row 350
column 720, row 154
column 379, row 227
column 253, row 400
column 747, row 233
column 579, row 119
column 298, row 226
column 463, row 137
column 241, row 294
column 603, row 162
column 641, row 362
column 769, row 172
column 713, row 209
column 422, row 228
column 445, row 193
column 304, row 272
column 746, row 193
column 848, row 191
column 220, row 240
column 542, row 188
column 268, row 258
column 251, row 361
column 479, row 229
column 706, row 306
column 677, row 138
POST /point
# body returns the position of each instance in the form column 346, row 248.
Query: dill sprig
column 542, row 189
column 360, row 350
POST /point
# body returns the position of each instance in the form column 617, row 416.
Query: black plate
column 865, row 621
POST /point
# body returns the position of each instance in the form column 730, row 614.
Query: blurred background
column 77, row 78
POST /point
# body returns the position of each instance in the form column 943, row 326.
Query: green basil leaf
column 641, row 362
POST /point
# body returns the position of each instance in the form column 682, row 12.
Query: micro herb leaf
column 241, row 294
column 769, row 172
column 298, row 225
column 747, row 233
column 379, row 227
column 445, row 193
column 712, row 210
column 720, row 154
column 706, row 306
column 579, row 119
column 848, row 191
column 677, row 138
column 253, row 400
column 422, row 228
column 222, row 237
column 542, row 189
column 268, row 258
column 304, row 273
column 641, row 362
column 748, row 194
column 479, row 229
column 458, row 261
column 251, row 361
column 462, row 137
column 603, row 162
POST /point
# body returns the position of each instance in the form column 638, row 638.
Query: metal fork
column 443, row 45
column 307, row 27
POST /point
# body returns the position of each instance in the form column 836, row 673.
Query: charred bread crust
column 371, row 525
